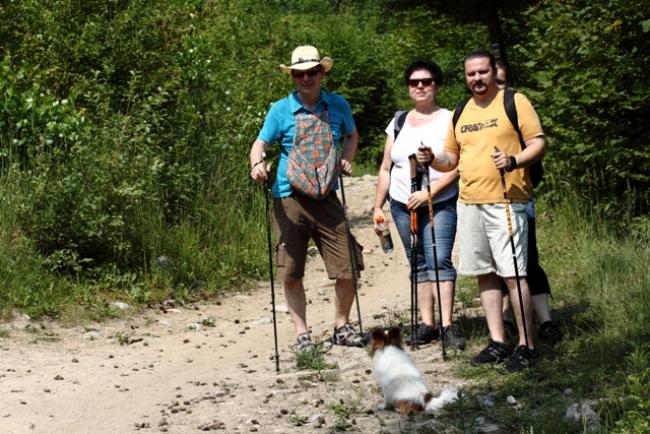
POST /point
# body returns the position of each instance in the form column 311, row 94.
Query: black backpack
column 400, row 118
column 536, row 170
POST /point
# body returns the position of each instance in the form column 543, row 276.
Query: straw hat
column 306, row 57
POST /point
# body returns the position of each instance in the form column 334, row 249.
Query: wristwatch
column 513, row 164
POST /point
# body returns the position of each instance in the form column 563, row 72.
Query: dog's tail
column 448, row 394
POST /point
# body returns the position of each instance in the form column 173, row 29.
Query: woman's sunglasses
column 415, row 82
column 308, row 73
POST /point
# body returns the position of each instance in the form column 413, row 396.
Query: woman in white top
column 426, row 123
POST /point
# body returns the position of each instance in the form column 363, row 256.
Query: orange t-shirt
column 478, row 131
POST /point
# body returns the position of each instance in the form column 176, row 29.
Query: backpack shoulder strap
column 400, row 118
column 458, row 111
column 536, row 169
column 511, row 111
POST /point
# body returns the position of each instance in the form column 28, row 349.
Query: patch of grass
column 91, row 305
column 314, row 360
column 298, row 420
column 343, row 413
column 123, row 338
column 601, row 292
column 467, row 292
column 309, row 380
column 636, row 407
column 208, row 321
column 4, row 333
column 41, row 333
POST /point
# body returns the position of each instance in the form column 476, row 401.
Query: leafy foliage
column 584, row 64
column 637, row 418
column 125, row 125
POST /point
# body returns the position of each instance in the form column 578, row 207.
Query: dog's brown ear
column 394, row 337
column 378, row 335
column 378, row 341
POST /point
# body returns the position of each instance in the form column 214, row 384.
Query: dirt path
column 168, row 378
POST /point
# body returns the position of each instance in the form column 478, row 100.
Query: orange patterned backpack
column 314, row 160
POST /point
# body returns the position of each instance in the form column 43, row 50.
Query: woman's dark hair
column 436, row 72
column 482, row 53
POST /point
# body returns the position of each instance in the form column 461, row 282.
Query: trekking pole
column 351, row 248
column 435, row 258
column 514, row 259
column 267, row 200
column 414, row 243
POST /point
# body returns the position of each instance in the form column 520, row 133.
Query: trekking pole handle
column 514, row 255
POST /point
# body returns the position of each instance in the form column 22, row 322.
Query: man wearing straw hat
column 310, row 118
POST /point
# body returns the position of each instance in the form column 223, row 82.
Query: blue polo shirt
column 280, row 123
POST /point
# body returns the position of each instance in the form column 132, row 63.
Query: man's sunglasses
column 308, row 73
column 415, row 82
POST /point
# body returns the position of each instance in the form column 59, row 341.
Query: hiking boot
column 522, row 358
column 509, row 328
column 304, row 343
column 453, row 338
column 347, row 336
column 494, row 352
column 549, row 332
column 425, row 334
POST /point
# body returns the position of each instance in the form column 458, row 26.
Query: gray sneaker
column 453, row 338
column 304, row 343
column 347, row 336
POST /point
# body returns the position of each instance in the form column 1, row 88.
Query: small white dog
column 399, row 378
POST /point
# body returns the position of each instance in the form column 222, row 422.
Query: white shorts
column 484, row 239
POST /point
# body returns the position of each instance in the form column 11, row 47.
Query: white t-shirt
column 433, row 135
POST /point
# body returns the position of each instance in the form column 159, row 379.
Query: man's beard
column 483, row 86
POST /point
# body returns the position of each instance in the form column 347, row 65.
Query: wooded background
column 125, row 125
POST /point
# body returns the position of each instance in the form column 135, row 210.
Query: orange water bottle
column 385, row 238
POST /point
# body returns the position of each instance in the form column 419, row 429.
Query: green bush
column 125, row 125
column 584, row 65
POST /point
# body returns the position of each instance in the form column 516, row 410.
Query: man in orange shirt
column 481, row 145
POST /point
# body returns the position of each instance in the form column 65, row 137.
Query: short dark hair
column 482, row 53
column 436, row 72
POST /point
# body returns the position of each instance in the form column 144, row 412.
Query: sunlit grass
column 601, row 299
